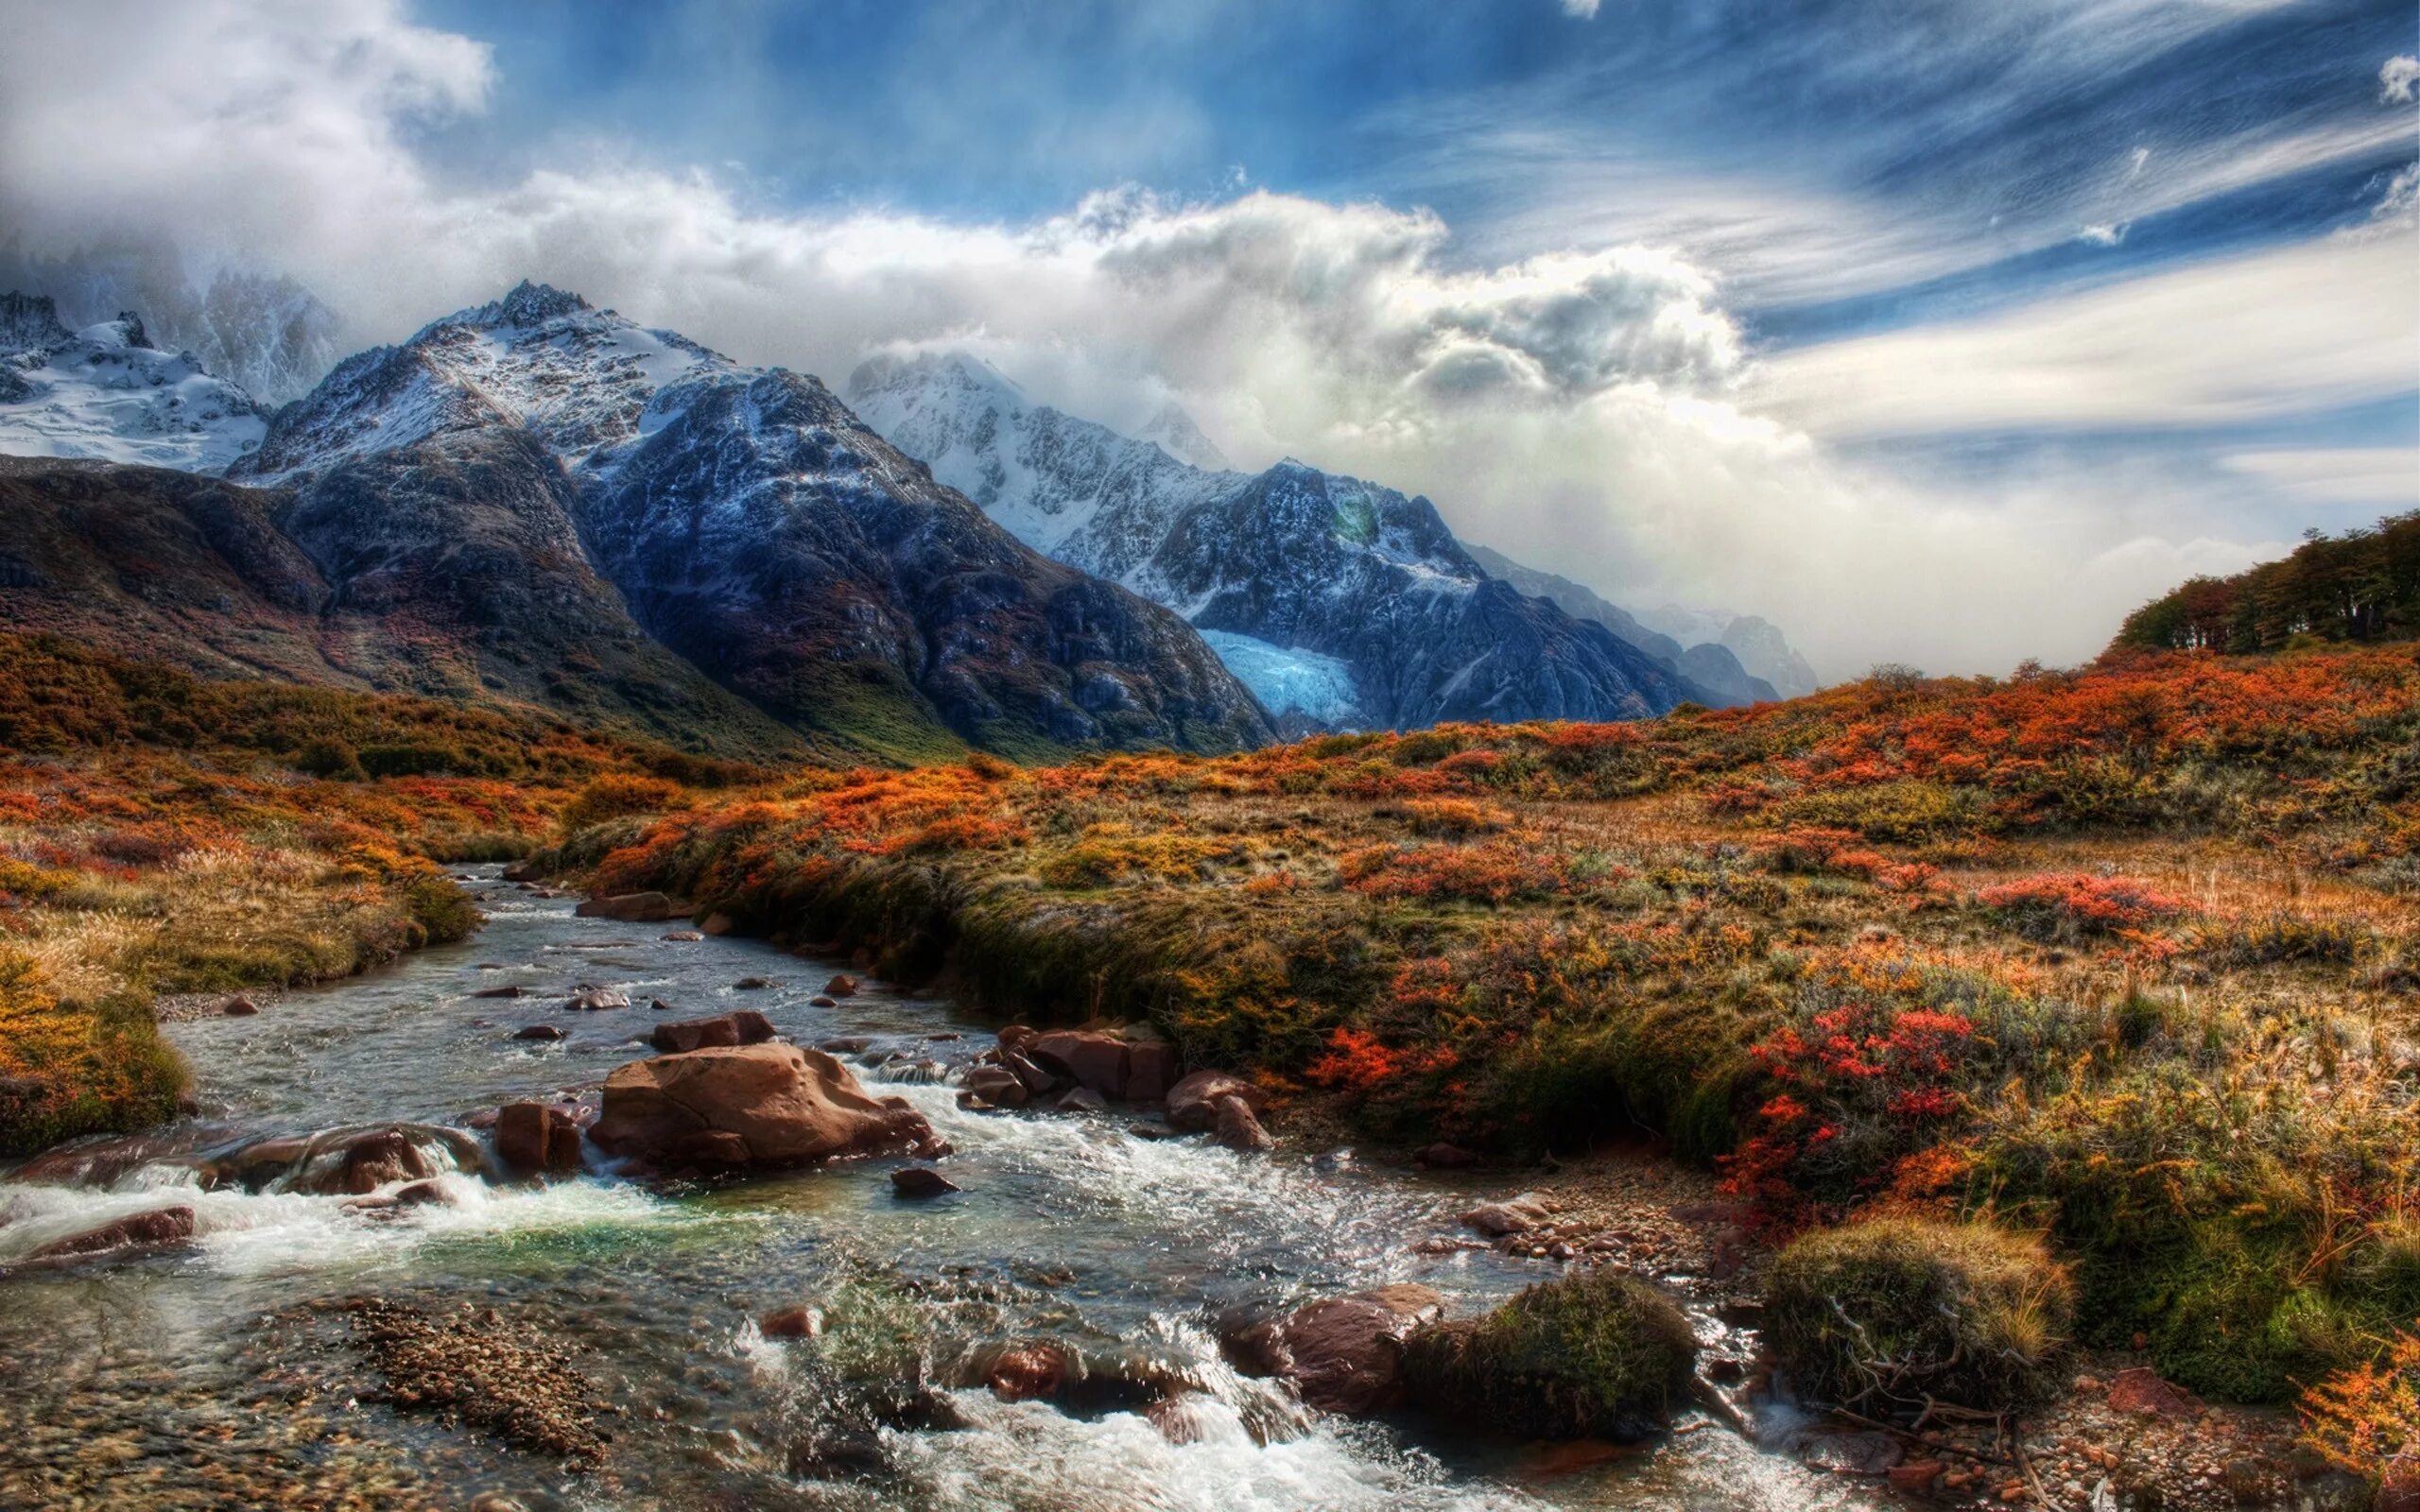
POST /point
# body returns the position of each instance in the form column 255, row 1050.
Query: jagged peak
column 28, row 320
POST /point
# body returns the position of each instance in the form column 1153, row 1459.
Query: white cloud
column 1581, row 9
column 2384, row 477
column 2102, row 235
column 1577, row 407
column 2264, row 334
column 2396, row 78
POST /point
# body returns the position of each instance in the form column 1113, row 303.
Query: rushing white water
column 1129, row 1252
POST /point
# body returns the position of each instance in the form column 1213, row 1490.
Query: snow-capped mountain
column 757, row 528
column 1341, row 601
column 105, row 391
column 1757, row 643
column 265, row 333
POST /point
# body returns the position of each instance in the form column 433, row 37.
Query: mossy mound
column 1593, row 1356
column 1886, row 1314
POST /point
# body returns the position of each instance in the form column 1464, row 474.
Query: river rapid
column 216, row 1374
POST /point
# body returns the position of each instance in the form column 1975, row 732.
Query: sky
column 1938, row 331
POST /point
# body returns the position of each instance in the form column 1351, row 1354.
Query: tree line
column 2363, row 585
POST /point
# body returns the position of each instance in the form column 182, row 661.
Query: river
column 213, row 1375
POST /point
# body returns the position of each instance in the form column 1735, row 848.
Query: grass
column 1890, row 1315
column 1593, row 1355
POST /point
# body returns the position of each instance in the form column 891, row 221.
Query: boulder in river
column 162, row 1226
column 1513, row 1215
column 1238, row 1130
column 843, row 986
column 1344, row 1355
column 545, row 1033
column 996, row 1085
column 745, row 1026
column 536, row 1139
column 376, row 1158
column 511, row 991
column 1193, row 1103
column 751, row 983
column 628, row 908
column 596, row 1000
column 752, row 1104
column 794, row 1322
column 1119, row 1068
column 921, row 1181
column 100, row 1162
column 238, row 1006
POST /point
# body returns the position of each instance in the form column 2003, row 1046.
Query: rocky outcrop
column 164, row 1226
column 1344, row 1355
column 1120, row 1068
column 1193, row 1102
column 765, row 1105
column 742, row 1026
column 537, row 1138
column 630, row 909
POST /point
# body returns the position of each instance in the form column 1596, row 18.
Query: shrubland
column 2122, row 959
column 2124, row 956
column 161, row 833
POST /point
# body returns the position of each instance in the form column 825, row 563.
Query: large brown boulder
column 628, row 908
column 1345, row 1354
column 537, row 1138
column 1193, row 1103
column 752, row 1104
column 164, row 1226
column 1136, row 1071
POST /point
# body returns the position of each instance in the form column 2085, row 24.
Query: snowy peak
column 579, row 378
column 105, row 393
column 1175, row 433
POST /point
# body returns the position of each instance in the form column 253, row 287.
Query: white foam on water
column 254, row 1233
column 1025, row 1455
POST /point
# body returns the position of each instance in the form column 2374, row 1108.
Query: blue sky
column 1938, row 331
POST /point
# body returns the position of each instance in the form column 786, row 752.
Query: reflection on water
column 206, row 1377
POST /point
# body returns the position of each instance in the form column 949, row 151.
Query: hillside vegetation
column 2127, row 953
column 161, row 832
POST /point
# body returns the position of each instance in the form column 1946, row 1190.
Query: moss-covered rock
column 1593, row 1356
column 1883, row 1315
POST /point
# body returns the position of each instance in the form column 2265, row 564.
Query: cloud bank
column 1593, row 409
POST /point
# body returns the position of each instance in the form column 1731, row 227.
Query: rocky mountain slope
column 105, row 391
column 1711, row 665
column 754, row 528
column 471, row 586
column 1343, row 602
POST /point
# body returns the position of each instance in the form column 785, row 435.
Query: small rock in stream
column 921, row 1181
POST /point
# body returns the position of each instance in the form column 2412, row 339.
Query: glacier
column 1289, row 680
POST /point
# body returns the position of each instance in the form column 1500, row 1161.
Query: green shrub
column 1596, row 1354
column 1887, row 1315
column 442, row 909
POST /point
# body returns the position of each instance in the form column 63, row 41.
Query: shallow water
column 203, row 1376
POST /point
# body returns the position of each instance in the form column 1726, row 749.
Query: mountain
column 1343, row 603
column 264, row 333
column 748, row 525
column 1758, row 643
column 1711, row 666
column 105, row 391
column 463, row 581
